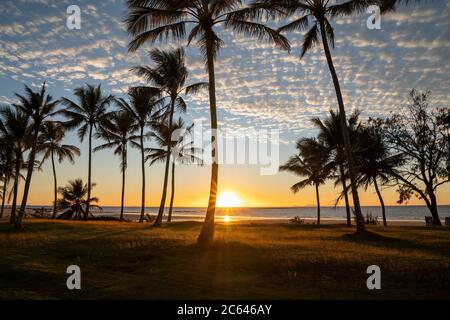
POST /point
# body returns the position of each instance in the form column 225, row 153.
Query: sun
column 228, row 199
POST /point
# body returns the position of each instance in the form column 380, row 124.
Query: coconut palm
column 316, row 15
column 330, row 135
column 149, row 21
column 312, row 163
column 15, row 130
column 6, row 168
column 182, row 151
column 38, row 106
column 118, row 131
column 143, row 105
column 74, row 200
column 50, row 145
column 169, row 76
column 88, row 115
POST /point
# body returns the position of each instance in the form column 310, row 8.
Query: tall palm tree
column 39, row 106
column 50, row 145
column 330, row 135
column 181, row 151
column 118, row 132
column 316, row 15
column 149, row 21
column 74, row 200
column 143, row 104
column 312, row 163
column 169, row 76
column 88, row 115
column 15, row 130
column 374, row 162
column 6, row 167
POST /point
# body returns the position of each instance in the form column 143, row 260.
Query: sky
column 258, row 87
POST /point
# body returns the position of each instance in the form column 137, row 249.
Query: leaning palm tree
column 74, row 200
column 312, row 163
column 38, row 106
column 316, row 15
column 149, row 21
column 6, row 167
column 330, row 135
column 88, row 115
column 118, row 131
column 374, row 162
column 144, row 103
column 15, row 132
column 50, row 145
column 182, row 151
column 169, row 75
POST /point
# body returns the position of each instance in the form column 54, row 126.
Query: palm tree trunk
column 206, row 236
column 141, row 219
column 344, row 189
column 172, row 195
column 55, row 187
column 159, row 218
column 5, row 187
column 26, row 189
column 383, row 209
column 360, row 227
column 318, row 203
column 12, row 215
column 88, row 200
column 124, row 159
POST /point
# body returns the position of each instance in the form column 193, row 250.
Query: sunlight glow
column 228, row 199
column 226, row 219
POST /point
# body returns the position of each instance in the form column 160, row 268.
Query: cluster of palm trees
column 321, row 158
column 31, row 127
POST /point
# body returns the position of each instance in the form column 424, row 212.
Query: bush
column 297, row 220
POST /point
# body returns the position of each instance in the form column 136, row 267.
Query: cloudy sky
column 258, row 87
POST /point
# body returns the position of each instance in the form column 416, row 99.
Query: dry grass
column 129, row 260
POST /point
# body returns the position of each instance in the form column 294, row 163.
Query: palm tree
column 50, row 145
column 15, row 128
column 74, row 200
column 149, row 21
column 330, row 135
column 317, row 14
column 38, row 106
column 88, row 115
column 6, row 167
column 312, row 163
column 118, row 132
column 374, row 162
column 181, row 151
column 142, row 105
column 169, row 76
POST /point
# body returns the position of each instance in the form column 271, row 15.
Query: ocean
column 400, row 213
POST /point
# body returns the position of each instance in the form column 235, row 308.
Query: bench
column 447, row 221
column 429, row 221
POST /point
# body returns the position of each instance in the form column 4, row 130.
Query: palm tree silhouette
column 38, row 106
column 316, row 15
column 118, row 132
column 74, row 200
column 149, row 21
column 312, row 163
column 169, row 76
column 50, row 145
column 141, row 107
column 6, row 167
column 15, row 128
column 90, row 113
column 181, row 151
column 330, row 135
column 374, row 161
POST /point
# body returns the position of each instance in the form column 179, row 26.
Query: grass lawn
column 253, row 261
